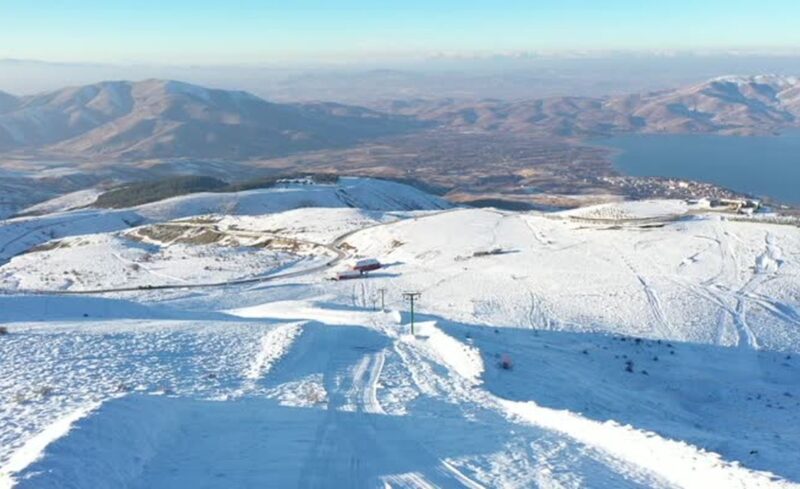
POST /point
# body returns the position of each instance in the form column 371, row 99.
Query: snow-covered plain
column 653, row 345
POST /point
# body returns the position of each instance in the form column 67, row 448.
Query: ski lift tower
column 382, row 291
column 411, row 297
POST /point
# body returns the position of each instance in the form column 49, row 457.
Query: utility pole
column 382, row 290
column 411, row 297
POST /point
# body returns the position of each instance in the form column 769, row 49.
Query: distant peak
column 176, row 87
column 766, row 79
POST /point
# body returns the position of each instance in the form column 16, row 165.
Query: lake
column 765, row 166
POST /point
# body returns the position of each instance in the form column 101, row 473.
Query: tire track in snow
column 352, row 443
column 369, row 398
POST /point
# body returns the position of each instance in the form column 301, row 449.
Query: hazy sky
column 249, row 31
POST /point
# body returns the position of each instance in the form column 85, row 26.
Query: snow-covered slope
column 702, row 279
column 361, row 193
column 19, row 235
column 63, row 203
column 648, row 344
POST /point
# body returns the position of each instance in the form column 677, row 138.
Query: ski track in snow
column 463, row 390
column 735, row 302
column 346, row 442
column 666, row 329
column 148, row 269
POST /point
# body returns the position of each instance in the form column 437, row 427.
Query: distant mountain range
column 726, row 105
column 165, row 119
column 158, row 119
column 7, row 102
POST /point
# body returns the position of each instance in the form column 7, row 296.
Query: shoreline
column 615, row 152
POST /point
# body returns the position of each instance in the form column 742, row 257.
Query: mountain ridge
column 725, row 105
column 166, row 118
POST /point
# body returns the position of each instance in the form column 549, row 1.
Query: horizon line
column 434, row 56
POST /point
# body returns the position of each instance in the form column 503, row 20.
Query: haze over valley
column 493, row 150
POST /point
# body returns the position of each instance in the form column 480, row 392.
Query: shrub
column 313, row 394
column 304, row 204
column 153, row 191
column 328, row 178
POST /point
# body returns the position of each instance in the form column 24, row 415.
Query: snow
column 273, row 346
column 18, row 235
column 678, row 463
column 365, row 194
column 684, row 280
column 461, row 359
column 84, row 363
column 654, row 344
column 702, row 395
column 322, row 225
column 642, row 209
column 782, row 81
column 31, row 451
column 41, row 308
column 66, row 202
column 92, row 262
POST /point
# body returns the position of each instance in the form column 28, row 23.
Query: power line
column 411, row 297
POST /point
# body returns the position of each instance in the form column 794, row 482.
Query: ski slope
column 653, row 345
column 701, row 278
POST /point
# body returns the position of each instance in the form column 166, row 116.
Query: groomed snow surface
column 649, row 346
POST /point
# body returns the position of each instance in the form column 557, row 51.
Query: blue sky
column 248, row 31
